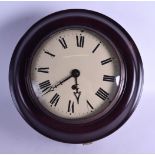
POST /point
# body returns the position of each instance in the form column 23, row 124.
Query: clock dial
column 75, row 73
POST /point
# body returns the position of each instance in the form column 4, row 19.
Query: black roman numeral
column 63, row 42
column 47, row 52
column 71, row 107
column 88, row 103
column 55, row 99
column 43, row 69
column 102, row 94
column 80, row 41
column 106, row 61
column 96, row 48
column 109, row 78
column 45, row 85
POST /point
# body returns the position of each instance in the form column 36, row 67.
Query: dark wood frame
column 98, row 128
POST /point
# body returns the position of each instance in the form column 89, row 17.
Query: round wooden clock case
column 72, row 109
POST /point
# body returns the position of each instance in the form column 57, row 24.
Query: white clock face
column 75, row 73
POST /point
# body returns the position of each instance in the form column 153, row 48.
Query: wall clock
column 76, row 76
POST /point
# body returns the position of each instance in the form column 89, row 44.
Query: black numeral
column 88, row 103
column 63, row 42
column 96, row 48
column 43, row 70
column 108, row 78
column 45, row 85
column 55, row 100
column 80, row 41
column 47, row 52
column 71, row 107
column 102, row 94
column 106, row 61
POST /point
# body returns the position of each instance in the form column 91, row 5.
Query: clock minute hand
column 59, row 83
column 74, row 73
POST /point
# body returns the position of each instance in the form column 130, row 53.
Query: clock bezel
column 96, row 129
column 79, row 120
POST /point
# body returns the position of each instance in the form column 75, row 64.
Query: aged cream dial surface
column 75, row 73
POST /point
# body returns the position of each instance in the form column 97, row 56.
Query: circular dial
column 75, row 73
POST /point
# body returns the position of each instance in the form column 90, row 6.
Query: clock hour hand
column 77, row 93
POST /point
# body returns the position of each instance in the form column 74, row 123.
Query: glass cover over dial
column 75, row 73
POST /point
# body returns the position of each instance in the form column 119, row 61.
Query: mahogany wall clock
column 76, row 76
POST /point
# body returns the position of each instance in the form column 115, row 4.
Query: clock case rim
column 127, row 103
column 89, row 118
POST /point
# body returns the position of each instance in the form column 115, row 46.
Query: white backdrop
column 135, row 136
